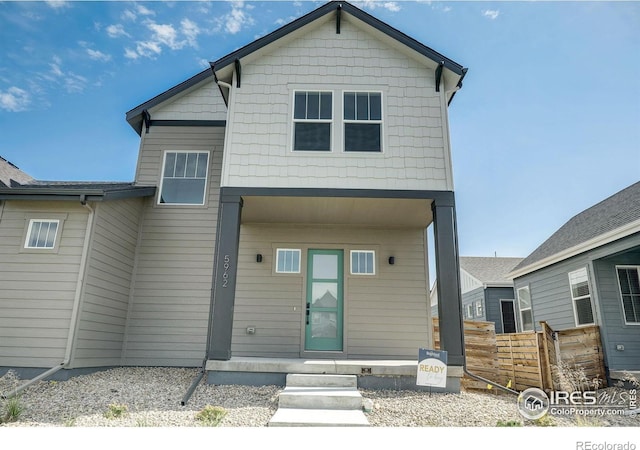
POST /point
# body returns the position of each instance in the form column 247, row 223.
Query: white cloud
column 373, row 4
column 130, row 54
column 98, row 55
column 165, row 34
column 144, row 11
column 128, row 15
column 116, row 31
column 491, row 13
column 14, row 99
column 57, row 4
column 74, row 83
column 234, row 21
column 55, row 66
column 148, row 49
column 191, row 31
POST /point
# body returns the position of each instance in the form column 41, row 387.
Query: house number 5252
column 225, row 274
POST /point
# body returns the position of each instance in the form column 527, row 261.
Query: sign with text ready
column 432, row 368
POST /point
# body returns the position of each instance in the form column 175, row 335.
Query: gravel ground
column 153, row 395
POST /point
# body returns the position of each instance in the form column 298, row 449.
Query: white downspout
column 74, row 312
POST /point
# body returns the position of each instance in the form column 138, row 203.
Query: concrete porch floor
column 375, row 374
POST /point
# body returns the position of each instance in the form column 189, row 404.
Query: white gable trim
column 598, row 241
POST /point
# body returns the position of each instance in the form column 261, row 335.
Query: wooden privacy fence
column 550, row 360
column 480, row 350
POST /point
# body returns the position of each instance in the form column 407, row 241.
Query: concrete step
column 317, row 380
column 305, row 397
column 292, row 417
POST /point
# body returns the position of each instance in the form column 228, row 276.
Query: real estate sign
column 432, row 368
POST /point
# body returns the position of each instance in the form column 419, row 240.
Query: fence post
column 548, row 383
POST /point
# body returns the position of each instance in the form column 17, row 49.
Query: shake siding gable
column 168, row 314
column 103, row 314
column 38, row 287
column 414, row 154
column 203, row 102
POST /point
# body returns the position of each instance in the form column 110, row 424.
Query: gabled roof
column 611, row 219
column 70, row 190
column 11, row 173
column 490, row 271
column 337, row 8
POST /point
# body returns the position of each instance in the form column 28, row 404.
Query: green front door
column 324, row 300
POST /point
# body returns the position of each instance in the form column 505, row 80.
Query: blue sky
column 546, row 125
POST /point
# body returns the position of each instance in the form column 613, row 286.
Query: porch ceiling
column 383, row 212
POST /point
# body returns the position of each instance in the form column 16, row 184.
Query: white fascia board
column 598, row 241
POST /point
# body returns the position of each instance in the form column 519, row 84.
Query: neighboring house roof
column 611, row 219
column 68, row 190
column 489, row 271
column 11, row 174
column 225, row 66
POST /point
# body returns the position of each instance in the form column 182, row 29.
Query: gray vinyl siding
column 551, row 294
column 385, row 316
column 493, row 313
column 107, row 287
column 551, row 299
column 470, row 298
column 168, row 312
column 37, row 288
column 615, row 330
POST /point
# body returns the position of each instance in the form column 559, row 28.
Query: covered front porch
column 263, row 315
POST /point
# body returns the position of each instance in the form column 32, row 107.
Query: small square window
column 42, row 234
column 363, row 262
column 288, row 260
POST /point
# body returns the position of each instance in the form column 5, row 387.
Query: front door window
column 324, row 300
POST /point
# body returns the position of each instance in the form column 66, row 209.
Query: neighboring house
column 487, row 294
column 279, row 210
column 11, row 175
column 587, row 273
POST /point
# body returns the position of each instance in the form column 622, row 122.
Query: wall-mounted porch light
column 259, row 258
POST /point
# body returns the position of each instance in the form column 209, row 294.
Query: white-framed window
column 629, row 285
column 184, row 178
column 362, row 114
column 42, row 234
column 581, row 296
column 288, row 260
column 469, row 311
column 479, row 310
column 312, row 120
column 524, row 304
column 363, row 262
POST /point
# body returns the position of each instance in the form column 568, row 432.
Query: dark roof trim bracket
column 146, row 119
column 464, row 73
column 238, row 71
column 439, row 75
column 338, row 19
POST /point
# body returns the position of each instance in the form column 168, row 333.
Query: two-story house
column 277, row 221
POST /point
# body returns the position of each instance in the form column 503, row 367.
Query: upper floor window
column 42, row 234
column 629, row 284
column 312, row 117
column 581, row 296
column 362, row 122
column 184, row 178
